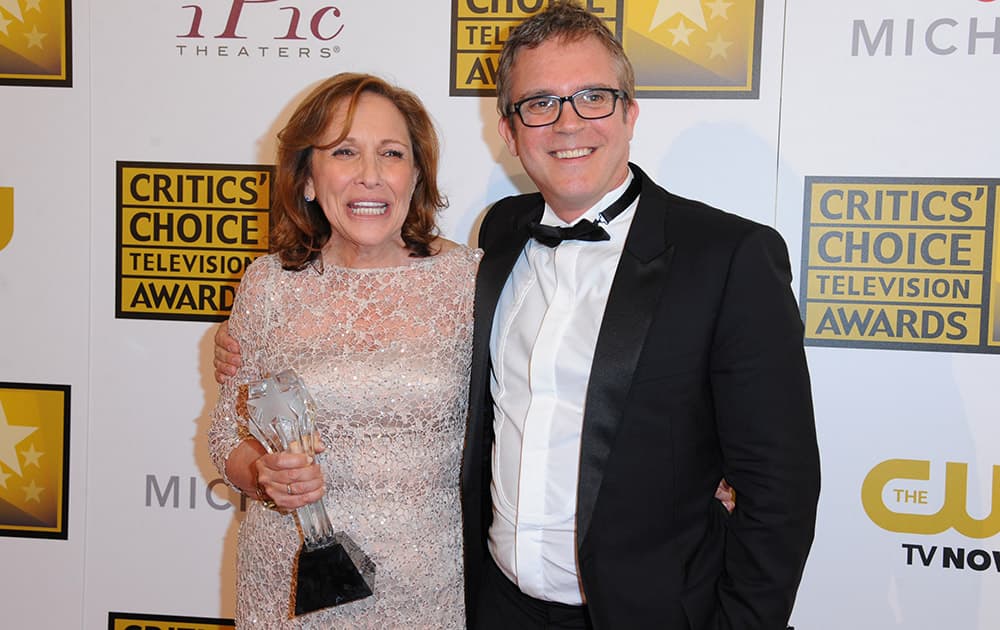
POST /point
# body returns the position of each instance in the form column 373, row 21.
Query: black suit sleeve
column 760, row 388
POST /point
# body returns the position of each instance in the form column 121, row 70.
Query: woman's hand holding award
column 331, row 569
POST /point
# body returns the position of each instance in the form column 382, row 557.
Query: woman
column 374, row 311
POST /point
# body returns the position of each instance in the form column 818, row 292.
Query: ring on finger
column 288, row 487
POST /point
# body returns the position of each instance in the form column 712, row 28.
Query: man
column 615, row 381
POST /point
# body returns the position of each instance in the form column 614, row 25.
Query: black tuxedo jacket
column 699, row 373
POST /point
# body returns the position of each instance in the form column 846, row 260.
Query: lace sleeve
column 247, row 324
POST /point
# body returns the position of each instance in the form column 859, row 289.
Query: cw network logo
column 901, row 495
column 260, row 29
column 973, row 33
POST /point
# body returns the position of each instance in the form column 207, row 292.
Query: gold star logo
column 718, row 47
column 35, row 38
column 719, row 9
column 691, row 9
column 10, row 437
column 12, row 8
column 32, row 492
column 4, row 23
column 681, row 33
column 31, row 456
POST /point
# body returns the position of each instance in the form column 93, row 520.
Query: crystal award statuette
column 331, row 568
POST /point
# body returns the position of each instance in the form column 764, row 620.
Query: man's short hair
column 567, row 21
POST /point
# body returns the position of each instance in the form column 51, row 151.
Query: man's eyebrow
column 535, row 93
column 542, row 92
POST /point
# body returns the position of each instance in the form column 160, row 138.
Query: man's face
column 573, row 162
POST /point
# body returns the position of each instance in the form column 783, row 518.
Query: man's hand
column 726, row 495
column 227, row 354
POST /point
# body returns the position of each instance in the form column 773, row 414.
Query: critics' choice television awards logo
column 901, row 263
column 259, row 29
column 138, row 621
column 34, row 460
column 969, row 28
column 911, row 496
column 35, row 43
column 6, row 215
column 680, row 48
column 186, row 233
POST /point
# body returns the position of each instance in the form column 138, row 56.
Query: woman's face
column 365, row 182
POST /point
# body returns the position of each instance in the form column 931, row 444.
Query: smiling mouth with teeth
column 573, row 153
column 369, row 208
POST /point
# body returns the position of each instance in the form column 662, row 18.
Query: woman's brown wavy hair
column 299, row 229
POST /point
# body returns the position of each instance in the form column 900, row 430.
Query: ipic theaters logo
column 905, row 496
column 971, row 28
column 186, row 233
column 6, row 215
column 903, row 263
column 34, row 460
column 679, row 48
column 35, row 43
column 259, row 29
column 137, row 621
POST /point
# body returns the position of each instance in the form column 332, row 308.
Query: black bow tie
column 550, row 235
column 585, row 229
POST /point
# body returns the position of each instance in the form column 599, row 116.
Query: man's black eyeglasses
column 590, row 104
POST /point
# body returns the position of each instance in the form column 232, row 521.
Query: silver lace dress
column 385, row 354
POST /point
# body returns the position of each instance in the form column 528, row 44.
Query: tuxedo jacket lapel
column 505, row 242
column 635, row 293
column 502, row 239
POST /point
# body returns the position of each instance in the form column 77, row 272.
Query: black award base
column 329, row 577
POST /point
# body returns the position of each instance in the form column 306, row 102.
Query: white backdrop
column 148, row 530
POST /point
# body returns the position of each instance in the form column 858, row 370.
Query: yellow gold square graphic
column 34, row 443
column 35, row 43
column 693, row 47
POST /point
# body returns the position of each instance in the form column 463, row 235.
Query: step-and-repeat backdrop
column 135, row 172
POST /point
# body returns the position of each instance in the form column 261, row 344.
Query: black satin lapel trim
column 632, row 303
column 648, row 237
